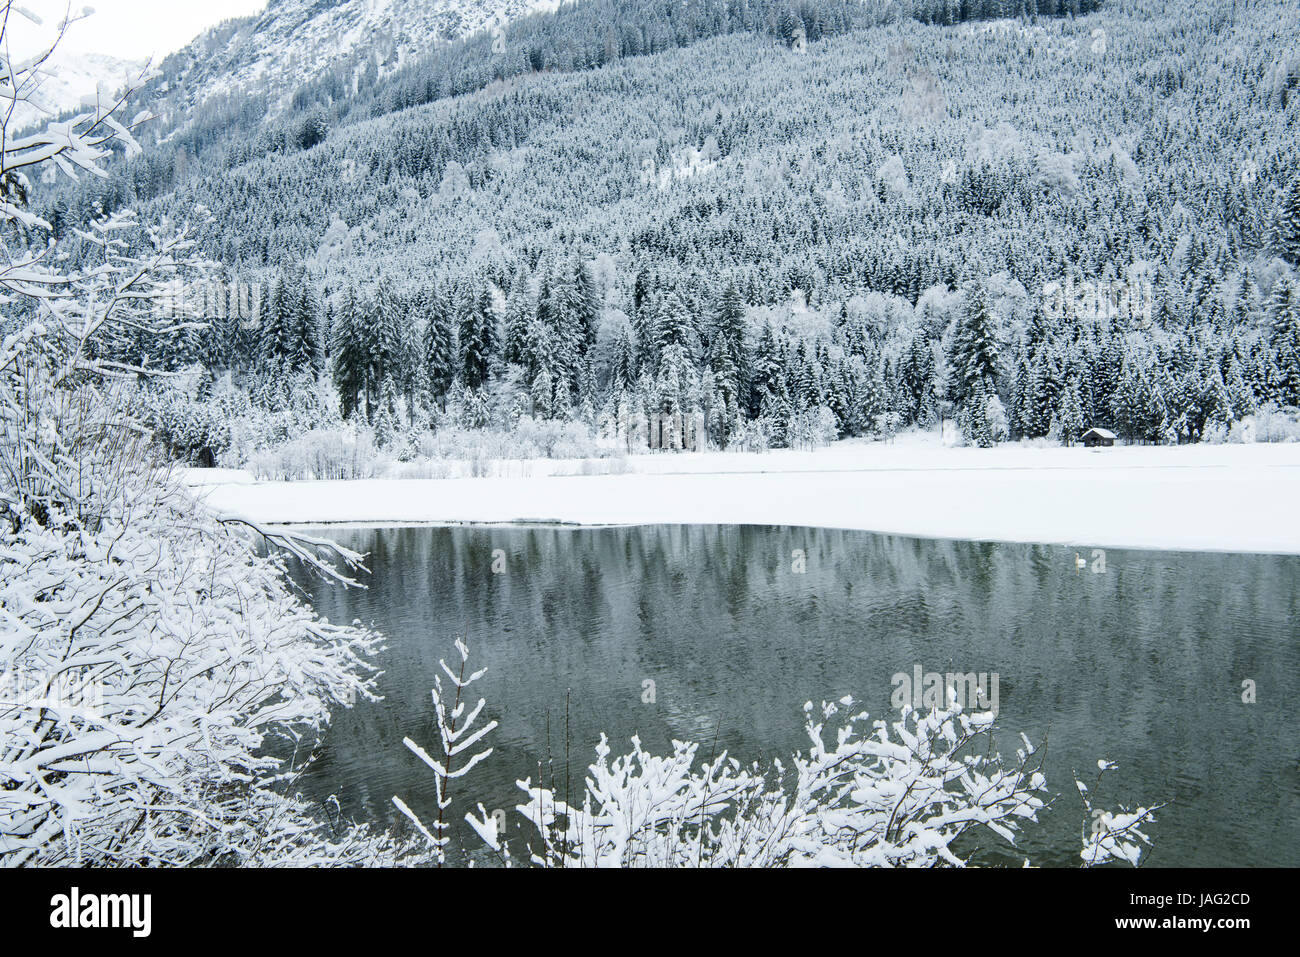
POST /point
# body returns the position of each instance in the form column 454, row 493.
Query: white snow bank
column 1204, row 498
column 200, row 477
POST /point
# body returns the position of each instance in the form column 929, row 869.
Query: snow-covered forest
column 1032, row 225
column 532, row 232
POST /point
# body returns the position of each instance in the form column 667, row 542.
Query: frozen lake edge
column 1235, row 498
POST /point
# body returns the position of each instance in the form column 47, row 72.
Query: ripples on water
column 1142, row 665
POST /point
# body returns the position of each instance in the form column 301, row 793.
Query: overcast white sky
column 132, row 29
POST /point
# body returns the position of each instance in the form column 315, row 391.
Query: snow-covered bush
column 192, row 656
column 1112, row 835
column 750, row 435
column 812, row 428
column 554, row 439
column 1268, row 424
column 1216, row 433
column 531, row 438
column 865, row 794
column 887, row 424
column 349, row 450
column 344, row 451
column 190, row 662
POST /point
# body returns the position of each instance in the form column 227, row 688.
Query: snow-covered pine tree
column 560, row 316
column 916, row 378
column 439, row 345
column 974, row 350
column 303, row 353
column 389, row 351
column 520, row 313
column 275, row 337
column 1240, row 398
column 350, row 356
column 1284, row 342
column 1245, row 312
column 728, row 354
column 386, row 417
column 584, row 297
column 477, row 338
column 769, row 371
column 1288, row 223
column 1071, row 417
column 675, row 325
column 622, row 362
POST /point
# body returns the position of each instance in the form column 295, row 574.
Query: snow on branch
column 457, row 733
column 864, row 794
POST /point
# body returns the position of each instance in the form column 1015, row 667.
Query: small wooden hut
column 1098, row 438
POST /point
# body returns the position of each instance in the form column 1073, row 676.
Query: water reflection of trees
column 1147, row 656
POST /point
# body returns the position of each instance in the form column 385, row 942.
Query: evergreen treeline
column 233, row 128
column 836, row 243
column 529, row 344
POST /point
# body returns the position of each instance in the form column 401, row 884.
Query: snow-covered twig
column 1112, row 835
column 456, row 734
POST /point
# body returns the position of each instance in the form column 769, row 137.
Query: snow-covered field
column 1204, row 497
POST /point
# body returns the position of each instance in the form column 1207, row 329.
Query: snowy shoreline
column 1226, row 498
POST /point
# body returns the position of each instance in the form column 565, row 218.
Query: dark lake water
column 1142, row 664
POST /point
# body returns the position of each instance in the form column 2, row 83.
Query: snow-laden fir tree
column 350, row 356
column 439, row 346
column 974, row 353
column 1284, row 341
column 1287, row 230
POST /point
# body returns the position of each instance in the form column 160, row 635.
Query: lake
column 1138, row 657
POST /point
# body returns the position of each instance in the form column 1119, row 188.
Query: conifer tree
column 974, row 357
column 1288, row 223
column 916, row 378
column 1245, row 312
column 675, row 325
column 439, row 347
column 1071, row 417
column 386, row 415
column 304, row 348
column 276, row 333
column 388, row 342
column 728, row 357
column 622, row 368
column 585, row 305
column 1284, row 342
column 349, row 355
column 477, row 339
column 520, row 312
column 542, row 391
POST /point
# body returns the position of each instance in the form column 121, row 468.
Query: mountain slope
column 872, row 222
column 70, row 80
column 883, row 159
column 294, row 41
